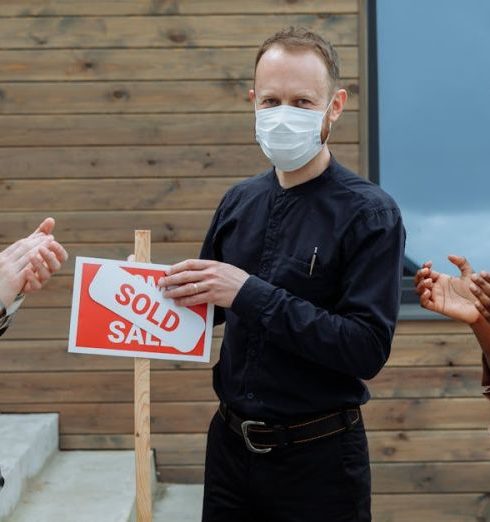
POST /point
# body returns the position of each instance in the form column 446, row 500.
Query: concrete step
column 177, row 502
column 81, row 486
column 27, row 442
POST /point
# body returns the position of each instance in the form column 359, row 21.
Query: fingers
column 32, row 283
column 425, row 300
column 50, row 258
column 425, row 272
column 421, row 274
column 190, row 264
column 185, row 282
column 198, row 299
column 483, row 311
column 25, row 245
column 43, row 264
column 424, row 284
column 182, row 278
column 462, row 263
column 481, row 284
column 187, row 290
column 33, row 245
column 58, row 250
column 480, row 288
column 40, row 268
column 189, row 271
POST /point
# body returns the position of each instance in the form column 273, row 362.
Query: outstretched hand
column 448, row 295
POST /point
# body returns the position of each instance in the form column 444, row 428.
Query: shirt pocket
column 293, row 274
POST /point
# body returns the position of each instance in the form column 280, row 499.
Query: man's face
column 298, row 78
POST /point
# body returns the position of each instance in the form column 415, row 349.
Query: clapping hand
column 451, row 296
column 27, row 264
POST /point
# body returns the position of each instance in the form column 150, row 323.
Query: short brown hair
column 301, row 38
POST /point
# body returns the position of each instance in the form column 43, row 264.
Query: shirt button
column 250, row 395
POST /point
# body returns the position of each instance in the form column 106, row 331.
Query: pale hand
column 16, row 265
column 199, row 281
column 44, row 264
column 47, row 259
column 448, row 295
column 26, row 265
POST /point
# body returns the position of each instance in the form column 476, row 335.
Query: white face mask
column 290, row 137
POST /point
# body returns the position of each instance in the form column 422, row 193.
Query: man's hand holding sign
column 199, row 281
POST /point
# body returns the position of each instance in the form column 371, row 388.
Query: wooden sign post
column 142, row 447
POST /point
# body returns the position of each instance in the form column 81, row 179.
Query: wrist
column 481, row 329
column 479, row 324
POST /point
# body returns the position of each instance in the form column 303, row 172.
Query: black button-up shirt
column 297, row 344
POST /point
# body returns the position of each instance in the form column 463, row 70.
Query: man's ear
column 251, row 95
column 333, row 113
column 337, row 106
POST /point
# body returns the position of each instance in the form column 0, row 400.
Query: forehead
column 290, row 70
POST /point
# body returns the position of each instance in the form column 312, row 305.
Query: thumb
column 47, row 226
column 462, row 263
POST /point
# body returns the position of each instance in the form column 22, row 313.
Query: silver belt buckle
column 250, row 446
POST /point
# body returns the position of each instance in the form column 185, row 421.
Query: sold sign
column 117, row 309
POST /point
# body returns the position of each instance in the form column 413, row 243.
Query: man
column 26, row 266
column 304, row 264
column 465, row 298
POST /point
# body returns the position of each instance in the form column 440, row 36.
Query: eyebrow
column 299, row 94
column 305, row 94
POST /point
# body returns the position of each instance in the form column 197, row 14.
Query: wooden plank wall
column 123, row 115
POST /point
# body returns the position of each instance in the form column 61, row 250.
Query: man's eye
column 269, row 102
column 303, row 101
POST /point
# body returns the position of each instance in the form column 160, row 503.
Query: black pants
column 327, row 480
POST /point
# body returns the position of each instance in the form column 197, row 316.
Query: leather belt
column 260, row 437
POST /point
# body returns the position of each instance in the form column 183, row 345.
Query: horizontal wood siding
column 119, row 115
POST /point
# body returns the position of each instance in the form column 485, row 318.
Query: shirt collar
column 308, row 186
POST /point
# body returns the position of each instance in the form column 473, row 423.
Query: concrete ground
column 81, row 486
column 177, row 503
column 46, row 485
column 26, row 443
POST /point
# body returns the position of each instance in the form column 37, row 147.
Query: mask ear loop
column 329, row 123
column 329, row 132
